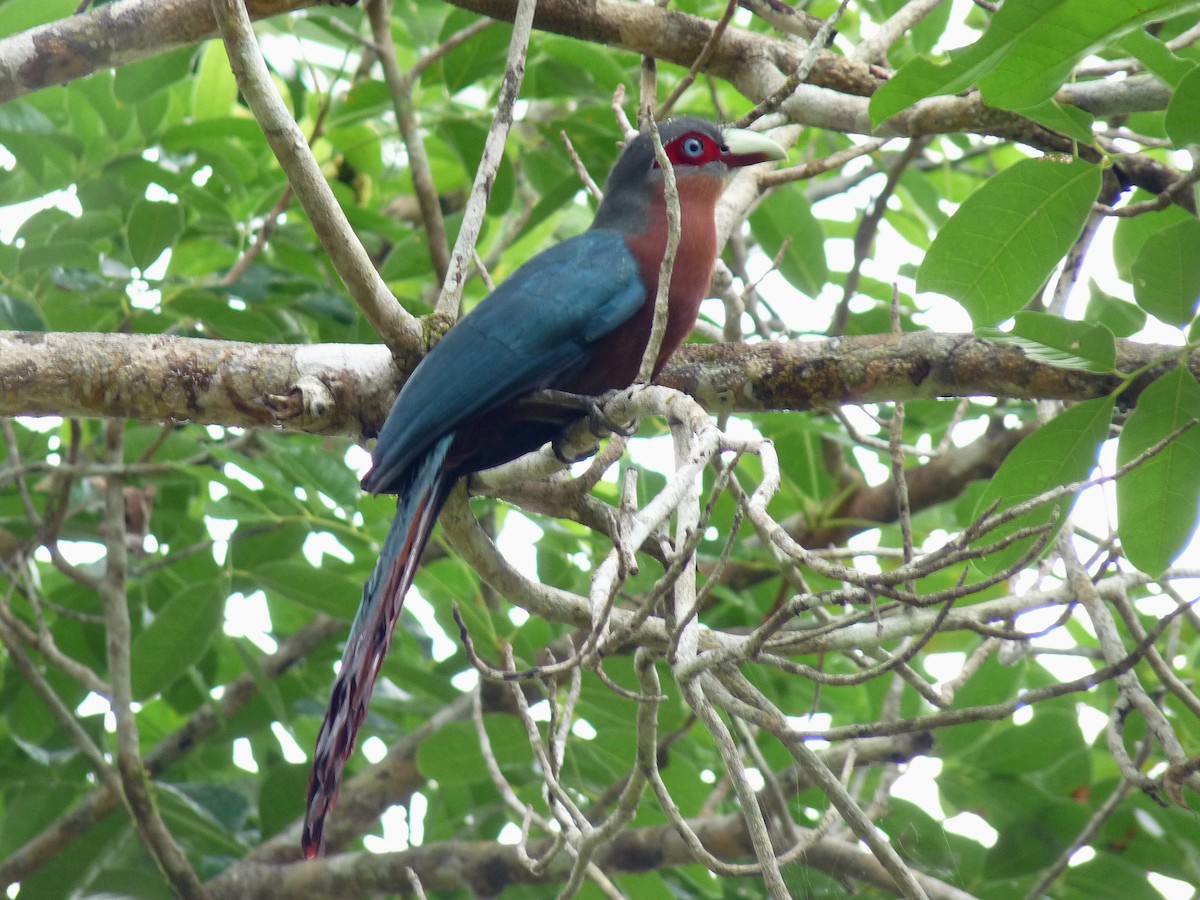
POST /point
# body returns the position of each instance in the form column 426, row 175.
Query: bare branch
column 450, row 298
column 288, row 143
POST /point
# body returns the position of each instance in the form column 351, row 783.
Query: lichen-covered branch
column 348, row 388
column 111, row 36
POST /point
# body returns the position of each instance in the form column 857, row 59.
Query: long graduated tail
column 371, row 637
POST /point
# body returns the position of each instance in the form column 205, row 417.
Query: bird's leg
column 548, row 405
column 601, row 423
column 552, row 405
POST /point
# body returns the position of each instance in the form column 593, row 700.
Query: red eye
column 693, row 150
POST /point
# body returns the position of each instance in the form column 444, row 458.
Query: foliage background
column 169, row 216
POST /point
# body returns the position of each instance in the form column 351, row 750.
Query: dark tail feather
column 371, row 637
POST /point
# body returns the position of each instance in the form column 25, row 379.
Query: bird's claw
column 602, row 424
column 557, row 446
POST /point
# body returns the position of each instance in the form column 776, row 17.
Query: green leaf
column 1004, row 241
column 1108, row 874
column 137, row 81
column 1133, row 232
column 281, row 797
column 786, row 214
column 1059, row 342
column 152, row 228
column 196, row 824
column 1060, row 452
column 22, row 14
column 1051, row 737
column 1152, row 53
column 1166, row 274
column 452, row 754
column 1158, row 501
column 214, row 89
column 917, row 79
column 1025, row 55
column 360, row 147
column 318, row 589
column 63, row 254
column 1183, row 112
column 177, row 638
column 1071, row 121
column 1030, row 844
column 16, row 315
column 476, row 60
column 1119, row 316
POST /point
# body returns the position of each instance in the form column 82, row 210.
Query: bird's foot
column 602, row 424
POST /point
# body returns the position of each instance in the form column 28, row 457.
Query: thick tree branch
column 487, row 867
column 835, row 95
column 348, row 388
column 111, row 36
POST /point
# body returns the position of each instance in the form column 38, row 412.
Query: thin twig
column 290, row 147
column 662, row 299
column 450, row 298
column 773, row 100
column 134, row 780
column 400, row 87
column 702, row 58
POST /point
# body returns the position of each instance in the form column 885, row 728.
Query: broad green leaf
column 16, row 315
column 92, row 225
column 1109, row 874
column 97, row 92
column 482, row 57
column 1166, row 274
column 1052, row 736
column 1059, row 342
column 22, row 14
column 467, row 138
column 1026, row 54
column 1071, row 121
column 1157, row 502
column 214, row 89
column 318, row 589
column 1060, row 452
column 200, row 258
column 177, row 638
column 281, row 797
column 29, row 806
column 359, row 146
column 1007, row 237
column 135, row 82
column 196, row 824
column 1119, row 316
column 602, row 66
column 1133, row 232
column 1183, row 112
column 920, row 78
column 63, row 254
column 786, row 214
column 1152, row 53
column 152, row 228
column 452, row 754
column 1029, row 844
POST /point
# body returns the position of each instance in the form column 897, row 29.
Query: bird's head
column 701, row 154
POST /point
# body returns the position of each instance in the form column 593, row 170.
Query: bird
column 576, row 318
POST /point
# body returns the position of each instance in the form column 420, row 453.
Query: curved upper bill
column 745, row 148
